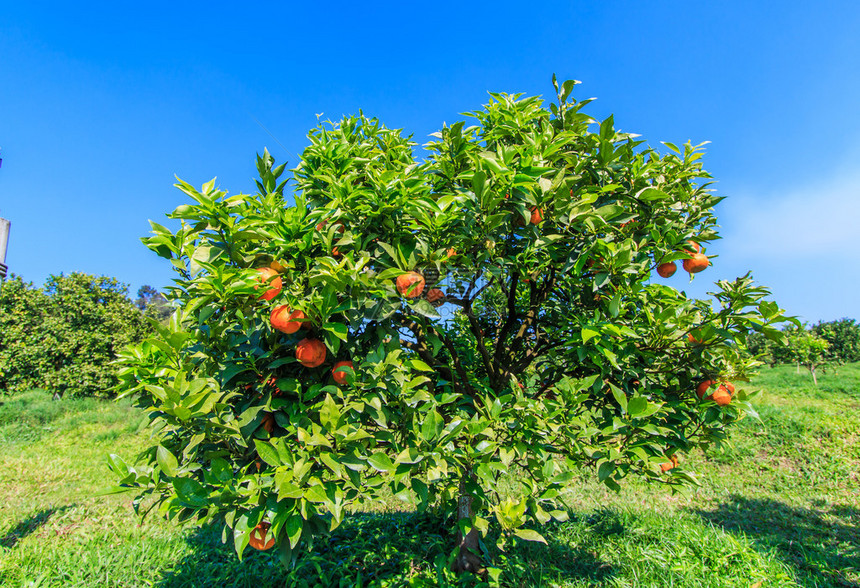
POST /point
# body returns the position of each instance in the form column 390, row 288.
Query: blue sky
column 100, row 107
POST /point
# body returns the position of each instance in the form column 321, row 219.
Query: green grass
column 779, row 504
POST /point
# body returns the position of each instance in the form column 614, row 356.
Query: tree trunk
column 798, row 367
column 814, row 378
column 467, row 559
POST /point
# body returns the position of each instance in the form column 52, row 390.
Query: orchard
column 427, row 329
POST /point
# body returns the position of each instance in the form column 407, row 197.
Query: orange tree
column 492, row 312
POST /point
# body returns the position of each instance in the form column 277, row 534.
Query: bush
column 63, row 337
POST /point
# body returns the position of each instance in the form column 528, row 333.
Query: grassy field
column 779, row 506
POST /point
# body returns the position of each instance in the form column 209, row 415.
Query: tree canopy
column 64, row 336
column 492, row 311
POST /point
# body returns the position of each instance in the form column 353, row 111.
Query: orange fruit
column 703, row 387
column 276, row 265
column 670, row 465
column 696, row 263
column 722, row 395
column 692, row 247
column 339, row 374
column 269, row 422
column 537, row 215
column 434, row 295
column 310, row 352
column 258, row 540
column 667, row 270
column 287, row 320
column 266, row 276
column 451, row 252
column 410, row 284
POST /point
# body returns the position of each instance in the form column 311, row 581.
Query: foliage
column 63, row 337
column 804, row 348
column 553, row 350
column 843, row 338
column 778, row 503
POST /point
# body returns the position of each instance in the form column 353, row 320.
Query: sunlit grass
column 779, row 504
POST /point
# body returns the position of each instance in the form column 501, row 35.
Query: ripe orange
column 703, row 387
column 310, row 352
column 276, row 265
column 434, row 295
column 667, row 270
column 410, row 284
column 266, row 276
column 537, row 215
column 258, row 539
column 287, row 320
column 340, row 376
column 696, row 263
column 722, row 395
column 670, row 465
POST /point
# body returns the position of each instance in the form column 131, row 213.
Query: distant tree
column 22, row 357
column 63, row 337
column 805, row 349
column 843, row 338
column 153, row 303
column 145, row 296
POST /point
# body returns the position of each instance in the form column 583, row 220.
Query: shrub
column 63, row 337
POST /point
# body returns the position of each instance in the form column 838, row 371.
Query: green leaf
column 339, row 330
column 166, row 461
column 588, row 334
column 293, row 529
column 530, row 535
column 637, row 405
column 432, row 425
column 619, row 396
column 614, row 305
column 381, row 462
column 316, row 494
column 268, row 453
column 424, row 308
column 605, row 470
column 190, row 492
column 420, row 365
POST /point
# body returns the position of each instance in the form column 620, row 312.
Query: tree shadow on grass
column 822, row 547
column 28, row 525
column 376, row 550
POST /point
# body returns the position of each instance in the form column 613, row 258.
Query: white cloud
column 814, row 220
